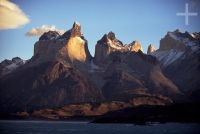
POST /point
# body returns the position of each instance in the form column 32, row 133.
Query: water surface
column 67, row 127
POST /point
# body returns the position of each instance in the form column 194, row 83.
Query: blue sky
column 144, row 20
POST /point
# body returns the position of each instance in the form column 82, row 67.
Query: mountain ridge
column 63, row 72
column 179, row 59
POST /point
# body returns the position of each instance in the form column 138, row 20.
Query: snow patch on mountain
column 113, row 45
column 173, row 36
column 185, row 40
column 168, row 57
column 7, row 66
column 176, row 46
column 10, row 68
column 192, row 35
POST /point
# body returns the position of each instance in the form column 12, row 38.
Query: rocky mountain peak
column 136, row 46
column 111, row 41
column 180, row 41
column 178, row 57
column 50, row 35
column 151, row 49
column 17, row 59
column 69, row 47
column 76, row 47
column 104, row 39
column 7, row 62
column 181, row 35
column 76, row 30
column 177, row 31
column 178, row 34
column 76, row 23
column 73, row 32
column 111, row 35
column 107, row 45
column 7, row 66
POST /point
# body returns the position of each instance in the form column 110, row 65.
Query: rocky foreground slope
column 62, row 74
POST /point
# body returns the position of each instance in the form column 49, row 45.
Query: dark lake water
column 66, row 127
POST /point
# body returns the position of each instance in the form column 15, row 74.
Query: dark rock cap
column 76, row 30
column 49, row 35
column 111, row 35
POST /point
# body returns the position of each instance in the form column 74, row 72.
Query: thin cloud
column 38, row 31
column 11, row 16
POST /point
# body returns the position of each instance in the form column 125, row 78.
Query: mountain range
column 62, row 79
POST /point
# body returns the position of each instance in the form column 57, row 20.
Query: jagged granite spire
column 76, row 30
column 151, row 49
column 71, row 46
column 136, row 46
column 111, row 35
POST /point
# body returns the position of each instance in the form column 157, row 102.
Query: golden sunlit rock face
column 136, row 46
column 76, row 49
column 151, row 49
column 71, row 46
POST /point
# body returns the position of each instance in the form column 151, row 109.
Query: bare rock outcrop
column 69, row 47
column 136, row 46
column 109, row 44
column 151, row 49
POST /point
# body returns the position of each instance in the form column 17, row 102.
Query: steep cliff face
column 151, row 49
column 69, row 47
column 77, row 50
column 76, row 46
column 109, row 44
column 136, row 46
column 135, row 75
column 105, row 46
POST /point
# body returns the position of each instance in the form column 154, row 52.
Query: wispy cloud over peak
column 38, row 31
